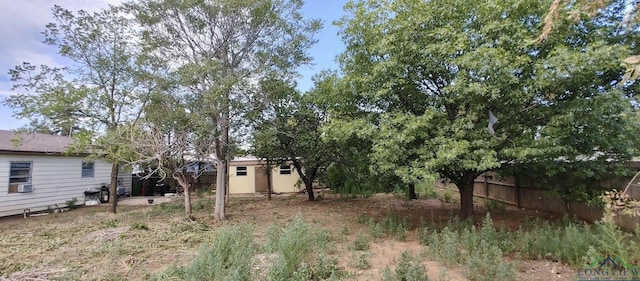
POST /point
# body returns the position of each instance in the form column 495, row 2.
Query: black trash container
column 104, row 194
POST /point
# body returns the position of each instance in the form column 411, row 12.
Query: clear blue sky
column 21, row 22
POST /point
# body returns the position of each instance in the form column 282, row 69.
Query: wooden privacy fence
column 511, row 192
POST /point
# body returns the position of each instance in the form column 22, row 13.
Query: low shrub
column 229, row 257
column 409, row 267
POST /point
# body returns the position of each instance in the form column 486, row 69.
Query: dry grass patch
column 340, row 238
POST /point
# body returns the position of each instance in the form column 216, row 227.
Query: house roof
column 28, row 142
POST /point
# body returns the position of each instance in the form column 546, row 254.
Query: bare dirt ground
column 143, row 239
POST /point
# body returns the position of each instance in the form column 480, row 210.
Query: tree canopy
column 103, row 87
column 221, row 51
column 425, row 78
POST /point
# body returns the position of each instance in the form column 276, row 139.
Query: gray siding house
column 35, row 173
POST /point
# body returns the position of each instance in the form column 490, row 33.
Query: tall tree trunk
column 309, row 185
column 222, row 153
column 412, row 191
column 268, row 171
column 221, row 186
column 466, row 196
column 187, row 202
column 308, row 176
column 183, row 181
column 226, row 180
column 113, row 188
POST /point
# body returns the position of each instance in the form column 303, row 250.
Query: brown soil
column 95, row 245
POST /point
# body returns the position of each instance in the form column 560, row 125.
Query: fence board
column 509, row 191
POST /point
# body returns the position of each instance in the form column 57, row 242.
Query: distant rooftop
column 28, row 142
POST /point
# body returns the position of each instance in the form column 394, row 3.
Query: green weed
column 409, row 267
column 110, row 223
column 361, row 242
column 427, row 189
column 139, row 226
column 72, row 204
column 391, row 226
column 447, row 197
column 300, row 253
column 228, row 258
column 494, row 206
column 360, row 260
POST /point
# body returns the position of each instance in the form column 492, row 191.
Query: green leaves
column 425, row 75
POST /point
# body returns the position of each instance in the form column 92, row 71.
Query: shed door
column 261, row 180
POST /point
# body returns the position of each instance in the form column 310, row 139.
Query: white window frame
column 86, row 171
column 14, row 179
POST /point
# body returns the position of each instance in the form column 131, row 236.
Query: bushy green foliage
column 410, row 268
column 447, row 197
column 356, row 179
column 478, row 249
column 361, row 242
column 481, row 249
column 576, row 243
column 486, row 263
column 300, row 252
column 360, row 260
column 427, row 189
column 229, row 257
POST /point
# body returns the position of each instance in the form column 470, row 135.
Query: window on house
column 88, row 169
column 285, row 169
column 19, row 173
column 241, row 171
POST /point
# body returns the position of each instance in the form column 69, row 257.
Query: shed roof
column 29, row 142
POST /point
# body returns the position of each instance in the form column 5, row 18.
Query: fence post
column 486, row 186
column 517, row 183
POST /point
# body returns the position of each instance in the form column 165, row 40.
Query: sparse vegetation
column 447, row 196
column 360, row 260
column 391, row 226
column 409, row 267
column 494, row 206
column 227, row 258
column 72, row 203
column 482, row 250
column 361, row 242
column 156, row 243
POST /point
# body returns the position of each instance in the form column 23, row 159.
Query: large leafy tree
column 221, row 50
column 428, row 78
column 291, row 131
column 103, row 87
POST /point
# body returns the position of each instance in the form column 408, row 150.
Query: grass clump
column 447, row 197
column 479, row 249
column 576, row 243
column 409, row 267
column 487, row 264
column 361, row 242
column 427, row 190
column 360, row 260
column 494, row 206
column 111, row 223
column 391, row 226
column 139, row 226
column 300, row 253
column 229, row 257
